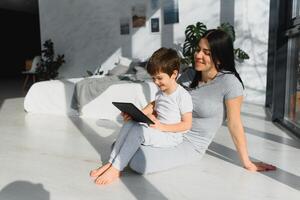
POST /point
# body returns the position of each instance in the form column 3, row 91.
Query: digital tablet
column 133, row 111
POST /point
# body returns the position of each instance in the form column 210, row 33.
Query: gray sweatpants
column 149, row 159
column 149, row 150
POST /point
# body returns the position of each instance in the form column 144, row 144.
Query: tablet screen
column 133, row 111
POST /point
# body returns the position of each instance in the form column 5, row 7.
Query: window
column 296, row 8
column 292, row 97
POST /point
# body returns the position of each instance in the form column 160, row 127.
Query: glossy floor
column 49, row 157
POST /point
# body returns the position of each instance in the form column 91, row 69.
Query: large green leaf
column 200, row 29
column 193, row 33
column 187, row 49
column 240, row 54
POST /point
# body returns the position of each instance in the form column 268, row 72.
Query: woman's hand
column 259, row 167
column 125, row 116
column 236, row 129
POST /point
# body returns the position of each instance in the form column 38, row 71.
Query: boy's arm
column 148, row 110
column 184, row 125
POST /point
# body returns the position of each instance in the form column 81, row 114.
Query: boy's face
column 164, row 81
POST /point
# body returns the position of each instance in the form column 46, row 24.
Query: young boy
column 171, row 112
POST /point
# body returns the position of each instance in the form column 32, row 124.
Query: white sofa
column 51, row 97
column 55, row 97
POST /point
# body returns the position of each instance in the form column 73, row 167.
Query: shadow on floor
column 231, row 156
column 275, row 138
column 143, row 189
column 24, row 190
column 11, row 88
column 255, row 116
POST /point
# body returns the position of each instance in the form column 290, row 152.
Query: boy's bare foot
column 97, row 172
column 110, row 175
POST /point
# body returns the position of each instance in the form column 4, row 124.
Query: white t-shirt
column 170, row 108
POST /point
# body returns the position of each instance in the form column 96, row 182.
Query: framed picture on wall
column 171, row 11
column 124, row 26
column 154, row 25
column 138, row 15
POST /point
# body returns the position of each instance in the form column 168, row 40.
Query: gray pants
column 150, row 159
column 159, row 152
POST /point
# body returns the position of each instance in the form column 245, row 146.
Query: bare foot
column 110, row 175
column 97, row 172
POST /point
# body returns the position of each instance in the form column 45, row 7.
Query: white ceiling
column 20, row 5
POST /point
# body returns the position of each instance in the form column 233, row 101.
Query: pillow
column 132, row 66
column 118, row 70
column 124, row 61
column 141, row 73
column 143, row 63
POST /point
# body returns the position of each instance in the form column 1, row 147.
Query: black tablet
column 133, row 111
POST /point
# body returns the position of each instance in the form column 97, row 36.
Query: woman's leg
column 153, row 159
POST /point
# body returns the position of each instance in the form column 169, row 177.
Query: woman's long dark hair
column 221, row 47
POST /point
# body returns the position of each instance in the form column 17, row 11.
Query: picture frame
column 171, row 12
column 154, row 25
column 138, row 15
column 124, row 26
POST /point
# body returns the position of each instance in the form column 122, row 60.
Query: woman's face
column 202, row 57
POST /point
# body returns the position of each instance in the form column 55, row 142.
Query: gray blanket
column 88, row 89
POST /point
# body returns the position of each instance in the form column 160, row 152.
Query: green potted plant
column 49, row 65
column 193, row 34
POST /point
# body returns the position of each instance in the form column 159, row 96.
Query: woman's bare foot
column 110, row 175
column 97, row 172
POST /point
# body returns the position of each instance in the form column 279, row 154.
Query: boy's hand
column 157, row 124
column 152, row 117
column 125, row 116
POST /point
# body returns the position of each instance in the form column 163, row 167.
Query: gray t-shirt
column 170, row 108
column 208, row 106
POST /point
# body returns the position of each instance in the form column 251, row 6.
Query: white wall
column 88, row 33
column 252, row 33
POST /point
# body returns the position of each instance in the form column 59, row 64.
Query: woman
column 213, row 82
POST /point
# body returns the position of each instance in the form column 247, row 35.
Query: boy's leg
column 116, row 148
column 126, row 128
column 156, row 138
column 130, row 145
column 141, row 134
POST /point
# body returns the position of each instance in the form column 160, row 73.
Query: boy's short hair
column 163, row 60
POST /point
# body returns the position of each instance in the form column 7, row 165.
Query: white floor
column 47, row 157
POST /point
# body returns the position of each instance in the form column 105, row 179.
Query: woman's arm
column 235, row 126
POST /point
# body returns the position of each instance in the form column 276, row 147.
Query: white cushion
column 124, row 61
column 140, row 94
column 51, row 97
column 118, row 70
